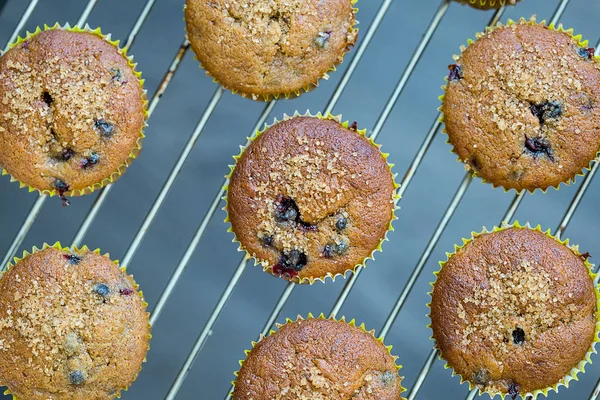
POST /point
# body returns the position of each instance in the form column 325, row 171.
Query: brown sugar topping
column 72, row 104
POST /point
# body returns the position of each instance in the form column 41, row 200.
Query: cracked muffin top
column 319, row 359
column 270, row 48
column 71, row 111
column 72, row 326
column 310, row 198
column 522, row 107
column 514, row 311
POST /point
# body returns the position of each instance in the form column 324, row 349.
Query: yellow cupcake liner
column 532, row 21
column 580, row 367
column 307, row 88
column 488, row 4
column 345, row 124
column 132, row 155
column 5, row 268
column 352, row 323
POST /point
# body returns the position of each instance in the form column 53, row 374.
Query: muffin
column 487, row 4
column 316, row 359
column 514, row 312
column 519, row 107
column 72, row 111
column 311, row 198
column 270, row 48
column 72, row 326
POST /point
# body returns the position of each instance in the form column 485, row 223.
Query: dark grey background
column 216, row 257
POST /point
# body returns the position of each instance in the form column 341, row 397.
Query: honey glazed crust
column 318, row 359
column 310, row 198
column 71, row 110
column 514, row 311
column 72, row 326
column 270, row 48
column 521, row 107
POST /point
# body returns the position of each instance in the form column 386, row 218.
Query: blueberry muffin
column 310, row 198
column 72, row 111
column 72, row 326
column 319, row 359
column 520, row 107
column 515, row 312
column 487, row 4
column 270, row 48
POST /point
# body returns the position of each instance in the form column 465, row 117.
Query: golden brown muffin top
column 71, row 110
column 521, row 107
column 318, row 359
column 270, row 47
column 310, row 198
column 72, row 326
column 487, row 4
column 514, row 311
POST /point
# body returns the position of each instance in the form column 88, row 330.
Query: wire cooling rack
column 194, row 292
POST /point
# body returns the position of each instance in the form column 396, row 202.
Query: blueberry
column 76, row 377
column 267, row 240
column 60, row 185
column 101, row 289
column 287, row 210
column 328, row 250
column 518, row 336
column 456, row 72
column 546, row 110
column 333, row 249
column 25, row 45
column 323, row 38
column 91, row 161
column 587, row 53
column 126, row 292
column 481, row 377
column 538, row 146
column 105, row 128
column 513, row 389
column 294, row 260
column 72, row 259
column 47, row 98
column 66, row 154
column 117, row 75
column 341, row 223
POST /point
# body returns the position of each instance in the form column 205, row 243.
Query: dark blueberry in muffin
column 92, row 160
column 323, row 38
column 61, row 186
column 538, row 146
column 66, row 154
column 513, row 389
column 341, row 223
column 47, row 98
column 126, row 292
column 587, row 53
column 518, row 336
column 335, row 249
column 456, row 72
column 547, row 110
column 101, row 289
column 117, row 75
column 76, row 377
column 295, row 260
column 481, row 377
column 105, row 128
column 287, row 210
column 72, row 259
column 267, row 240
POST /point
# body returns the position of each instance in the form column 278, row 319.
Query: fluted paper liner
column 134, row 152
column 345, row 124
column 84, row 249
column 322, row 316
column 532, row 21
column 580, row 367
column 305, row 89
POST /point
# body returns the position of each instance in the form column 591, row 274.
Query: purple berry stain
column 513, row 389
column 72, row 259
column 126, row 292
column 456, row 72
column 538, row 146
column 62, row 187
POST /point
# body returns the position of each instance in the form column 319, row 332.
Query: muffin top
column 487, row 4
column 72, row 326
column 71, row 110
column 310, row 198
column 514, row 311
column 520, row 107
column 319, row 359
column 270, row 47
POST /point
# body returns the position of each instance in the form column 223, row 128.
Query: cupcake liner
column 487, row 4
column 345, row 124
column 132, row 155
column 321, row 316
column 579, row 368
column 85, row 249
column 532, row 21
column 294, row 94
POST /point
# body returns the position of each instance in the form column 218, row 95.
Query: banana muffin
column 319, row 359
column 310, row 198
column 72, row 326
column 521, row 106
column 515, row 311
column 72, row 111
column 270, row 48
